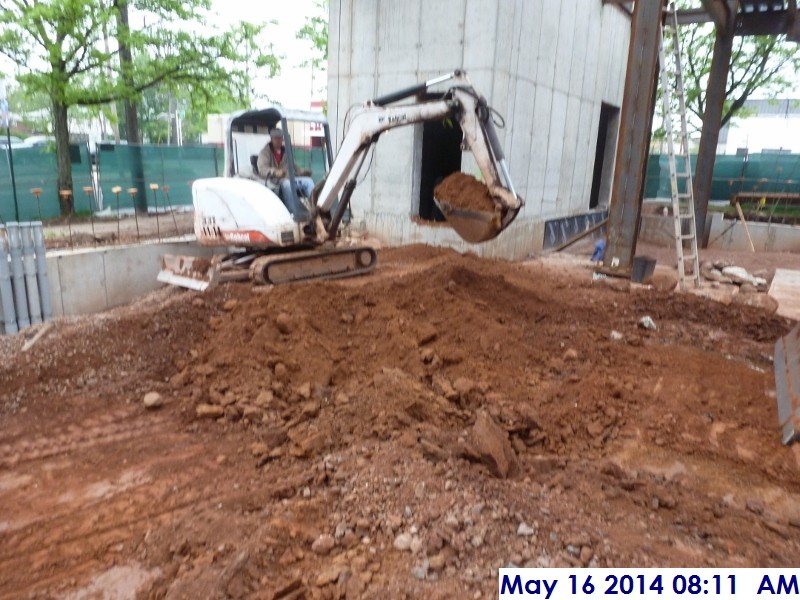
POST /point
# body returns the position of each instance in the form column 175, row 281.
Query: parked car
column 36, row 141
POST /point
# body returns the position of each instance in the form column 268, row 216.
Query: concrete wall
column 726, row 234
column 546, row 65
column 95, row 279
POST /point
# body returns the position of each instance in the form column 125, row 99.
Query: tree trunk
column 131, row 114
column 61, row 131
column 712, row 123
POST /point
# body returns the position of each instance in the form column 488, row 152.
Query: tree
column 763, row 64
column 158, row 103
column 315, row 31
column 60, row 48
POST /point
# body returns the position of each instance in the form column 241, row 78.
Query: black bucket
column 642, row 269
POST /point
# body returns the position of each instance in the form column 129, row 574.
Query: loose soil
column 465, row 192
column 397, row 435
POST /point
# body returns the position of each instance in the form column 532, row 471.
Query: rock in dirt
column 264, row 398
column 153, row 400
column 525, row 530
column 421, row 571
column 289, row 589
column 323, row 544
column 664, row 281
column 230, row 305
column 402, row 542
column 464, row 191
column 437, row 562
column 492, row 447
column 715, row 275
column 646, row 322
column 464, row 387
column 617, row 284
column 738, row 275
column 284, row 323
column 755, row 506
column 209, row 411
column 281, row 372
column 748, row 288
column 616, row 335
column 329, row 575
column 427, row 333
column 763, row 301
column 570, row 354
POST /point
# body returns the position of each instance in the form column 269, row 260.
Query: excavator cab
column 306, row 138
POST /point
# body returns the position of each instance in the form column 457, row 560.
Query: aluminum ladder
column 682, row 201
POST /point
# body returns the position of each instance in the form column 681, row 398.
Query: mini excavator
column 268, row 244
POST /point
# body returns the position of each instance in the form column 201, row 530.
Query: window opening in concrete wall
column 604, row 155
column 441, row 155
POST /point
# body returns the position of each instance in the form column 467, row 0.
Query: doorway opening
column 604, row 156
column 441, row 156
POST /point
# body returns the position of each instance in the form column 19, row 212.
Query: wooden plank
column 744, row 224
column 785, row 289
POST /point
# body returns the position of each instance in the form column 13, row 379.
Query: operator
column 272, row 167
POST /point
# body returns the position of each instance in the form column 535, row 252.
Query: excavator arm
column 462, row 103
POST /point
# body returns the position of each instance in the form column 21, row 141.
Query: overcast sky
column 292, row 87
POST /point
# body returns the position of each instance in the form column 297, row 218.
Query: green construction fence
column 175, row 167
column 36, row 168
column 762, row 172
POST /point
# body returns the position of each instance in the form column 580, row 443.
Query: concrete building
column 769, row 126
column 555, row 69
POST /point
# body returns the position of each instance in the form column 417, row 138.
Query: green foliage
column 766, row 65
column 155, row 107
column 68, row 49
column 315, row 31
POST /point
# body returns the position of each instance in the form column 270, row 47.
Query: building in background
column 770, row 126
column 555, row 69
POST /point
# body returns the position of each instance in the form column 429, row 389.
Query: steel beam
column 636, row 121
column 763, row 23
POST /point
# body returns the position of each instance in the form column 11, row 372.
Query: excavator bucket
column 787, row 384
column 476, row 226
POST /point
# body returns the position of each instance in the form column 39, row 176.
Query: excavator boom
column 462, row 103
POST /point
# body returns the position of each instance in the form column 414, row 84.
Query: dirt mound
column 464, row 191
column 396, row 435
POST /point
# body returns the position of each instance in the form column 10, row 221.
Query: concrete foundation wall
column 545, row 65
column 95, row 279
column 725, row 234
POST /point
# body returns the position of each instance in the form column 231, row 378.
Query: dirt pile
column 399, row 435
column 465, row 192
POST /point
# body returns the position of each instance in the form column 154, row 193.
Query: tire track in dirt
column 87, row 434
column 81, row 536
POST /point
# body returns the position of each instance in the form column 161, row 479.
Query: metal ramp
column 787, row 385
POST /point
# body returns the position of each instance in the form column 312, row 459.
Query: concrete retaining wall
column 726, row 234
column 94, row 279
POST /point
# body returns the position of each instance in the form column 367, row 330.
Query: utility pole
column 6, row 121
